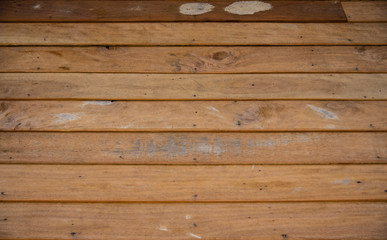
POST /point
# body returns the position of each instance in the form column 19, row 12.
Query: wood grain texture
column 86, row 86
column 249, row 221
column 155, row 183
column 366, row 11
column 193, row 115
column 144, row 11
column 193, row 148
column 195, row 59
column 193, row 34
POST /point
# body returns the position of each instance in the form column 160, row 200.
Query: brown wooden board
column 193, row 34
column 193, row 148
column 148, row 11
column 89, row 86
column 195, row 59
column 155, row 183
column 193, row 115
column 366, row 11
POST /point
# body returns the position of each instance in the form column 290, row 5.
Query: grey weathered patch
column 247, row 7
column 66, row 117
column 323, row 112
column 101, row 103
column 195, row 8
column 342, row 181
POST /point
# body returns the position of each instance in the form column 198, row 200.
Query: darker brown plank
column 195, row 59
column 147, row 11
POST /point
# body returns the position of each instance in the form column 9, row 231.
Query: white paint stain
column 342, row 181
column 37, row 6
column 163, row 228
column 194, row 235
column 252, row 167
column 101, row 103
column 330, row 126
column 247, row 7
column 323, row 112
column 187, row 216
column 213, row 109
column 195, row 8
column 66, row 117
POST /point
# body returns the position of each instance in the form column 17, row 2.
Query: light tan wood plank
column 366, row 11
column 193, row 148
column 193, row 34
column 193, row 115
column 195, row 59
column 185, row 86
column 194, row 221
column 192, row 183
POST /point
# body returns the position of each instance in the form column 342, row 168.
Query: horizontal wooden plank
column 193, row 34
column 144, row 11
column 87, row 86
column 193, row 115
column 249, row 221
column 95, row 183
column 193, row 148
column 366, row 11
column 195, row 59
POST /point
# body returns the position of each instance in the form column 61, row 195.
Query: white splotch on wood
column 195, row 8
column 248, row 7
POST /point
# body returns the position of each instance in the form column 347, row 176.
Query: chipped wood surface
column 160, row 11
column 193, row 148
column 207, row 221
column 193, row 116
column 88, row 86
column 271, row 59
column 192, row 183
column 193, row 33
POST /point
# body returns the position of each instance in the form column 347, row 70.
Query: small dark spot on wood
column 195, row 225
column 358, row 181
column 194, row 95
column 72, row 224
column 260, row 189
column 80, row 176
column 10, row 157
column 64, row 68
column 19, row 5
column 357, row 68
column 378, row 157
column 19, row 124
column 312, row 64
column 195, row 196
column 239, row 123
column 349, row 40
column 29, row 95
column 249, row 217
column 107, row 47
column 220, row 55
column 5, row 219
column 253, row 85
column 312, row 50
column 194, row 125
column 371, row 125
column 380, row 90
column 38, row 68
column 194, row 159
column 196, row 112
column 235, row 101
column 193, row 40
column 385, row 190
column 301, row 37
column 244, row 183
column 50, row 17
column 121, row 157
column 144, row 93
column 364, row 96
column 284, row 235
column 3, row 193
column 73, row 233
column 195, row 69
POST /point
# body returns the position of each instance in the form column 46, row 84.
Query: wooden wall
column 136, row 120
